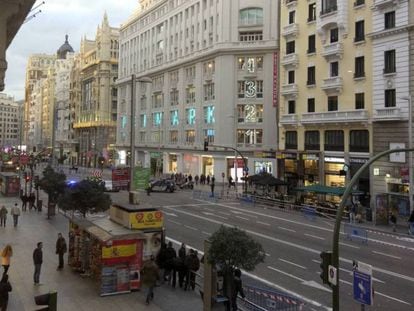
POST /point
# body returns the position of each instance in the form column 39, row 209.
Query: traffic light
column 326, row 257
column 205, row 145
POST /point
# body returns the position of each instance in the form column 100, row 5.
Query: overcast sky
column 46, row 32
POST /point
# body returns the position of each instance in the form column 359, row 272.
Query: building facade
column 325, row 92
column 96, row 108
column 10, row 120
column 213, row 67
column 392, row 40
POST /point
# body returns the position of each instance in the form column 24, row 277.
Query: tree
column 232, row 248
column 53, row 183
column 86, row 196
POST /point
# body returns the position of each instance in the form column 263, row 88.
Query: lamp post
column 410, row 146
column 132, row 122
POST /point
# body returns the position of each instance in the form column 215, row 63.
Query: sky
column 46, row 32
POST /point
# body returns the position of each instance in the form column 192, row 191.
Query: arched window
column 251, row 16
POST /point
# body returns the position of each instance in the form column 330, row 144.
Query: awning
column 339, row 191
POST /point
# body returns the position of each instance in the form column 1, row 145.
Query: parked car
column 164, row 185
column 109, row 186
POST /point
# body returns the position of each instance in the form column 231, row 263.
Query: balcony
column 388, row 114
column 289, row 119
column 290, row 60
column 332, row 84
column 289, row 89
column 381, row 4
column 290, row 30
column 290, row 3
column 335, row 117
column 333, row 50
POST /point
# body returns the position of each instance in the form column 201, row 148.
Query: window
column 389, row 61
column 312, row 12
column 311, row 104
column 143, row 120
column 359, row 2
column 290, row 47
column 311, row 44
column 174, row 118
column 173, row 137
column 250, row 64
column 359, row 101
column 359, row 31
column 291, row 77
column 157, row 118
column 311, row 76
column 190, row 137
column 251, row 16
column 209, row 115
column 334, row 69
column 359, row 141
column 291, row 138
column 251, row 36
column 328, row 6
column 312, row 140
column 332, row 103
column 389, row 20
column 209, row 135
column 334, row 140
column 250, row 89
column 249, row 136
column 190, row 95
column 157, row 100
column 359, row 67
column 174, row 97
column 291, row 107
column 250, row 113
column 292, row 17
column 390, row 98
column 209, row 91
column 334, row 36
column 190, row 114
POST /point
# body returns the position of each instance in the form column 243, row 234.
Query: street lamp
column 410, row 146
column 132, row 135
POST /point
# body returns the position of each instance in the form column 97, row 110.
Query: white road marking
column 294, row 245
column 315, row 237
column 287, row 274
column 406, row 239
column 192, row 228
column 223, row 213
column 351, row 273
column 174, row 222
column 170, row 214
column 387, row 255
column 392, row 298
column 212, row 214
column 206, row 233
column 293, row 264
column 287, row 229
column 184, row 205
column 346, row 282
column 209, row 209
column 262, row 223
column 349, row 245
column 244, row 218
column 268, row 255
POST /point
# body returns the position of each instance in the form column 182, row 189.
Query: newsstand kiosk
column 112, row 249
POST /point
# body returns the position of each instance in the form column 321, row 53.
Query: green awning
column 323, row 189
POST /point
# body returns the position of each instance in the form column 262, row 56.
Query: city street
column 293, row 244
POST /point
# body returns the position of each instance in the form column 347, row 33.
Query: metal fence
column 259, row 299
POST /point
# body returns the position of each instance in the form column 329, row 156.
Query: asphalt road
column 293, row 244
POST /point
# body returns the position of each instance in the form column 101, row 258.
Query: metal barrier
column 204, row 195
column 354, row 232
column 259, row 299
column 247, row 200
column 309, row 212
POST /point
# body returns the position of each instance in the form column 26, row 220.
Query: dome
column 64, row 49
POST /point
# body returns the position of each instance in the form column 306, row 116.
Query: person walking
column 31, row 199
column 411, row 223
column 6, row 253
column 3, row 216
column 61, row 249
column 170, row 255
column 15, row 211
column 213, row 184
column 5, row 288
column 352, row 213
column 150, row 275
column 37, row 261
column 194, row 267
column 393, row 219
column 237, row 289
column 25, row 199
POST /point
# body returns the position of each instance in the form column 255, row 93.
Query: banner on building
column 141, row 178
column 275, row 79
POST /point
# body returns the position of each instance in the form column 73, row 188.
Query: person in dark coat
column 182, row 252
column 150, row 275
column 37, row 261
column 192, row 264
column 213, row 180
column 5, row 288
column 31, row 199
column 208, row 179
column 61, row 249
column 237, row 289
column 24, row 199
column 170, row 273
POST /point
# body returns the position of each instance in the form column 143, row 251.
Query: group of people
column 7, row 253
column 14, row 211
column 180, row 178
column 28, row 199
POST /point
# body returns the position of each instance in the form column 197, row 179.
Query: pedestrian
column 31, row 199
column 237, row 289
column 5, row 288
column 352, row 213
column 411, row 223
column 150, row 275
column 182, row 251
column 37, row 261
column 208, row 179
column 213, row 180
column 194, row 267
column 230, row 179
column 6, row 253
column 196, row 178
column 149, row 189
column 3, row 216
column 161, row 259
column 24, row 199
column 15, row 211
column 170, row 255
column 393, row 219
column 61, row 249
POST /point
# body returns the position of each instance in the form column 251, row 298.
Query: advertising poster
column 120, row 178
column 152, row 244
column 381, row 212
column 141, row 178
column 108, row 281
column 135, row 268
column 122, row 278
column 146, row 220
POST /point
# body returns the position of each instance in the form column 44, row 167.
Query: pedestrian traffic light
column 326, row 257
column 205, row 145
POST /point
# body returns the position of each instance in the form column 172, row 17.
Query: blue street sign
column 362, row 287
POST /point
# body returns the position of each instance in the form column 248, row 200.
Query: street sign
column 332, row 275
column 363, row 283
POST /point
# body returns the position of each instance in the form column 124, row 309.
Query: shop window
column 312, row 140
column 291, row 140
column 334, row 140
column 359, row 141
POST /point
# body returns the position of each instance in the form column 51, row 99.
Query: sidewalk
column 74, row 292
